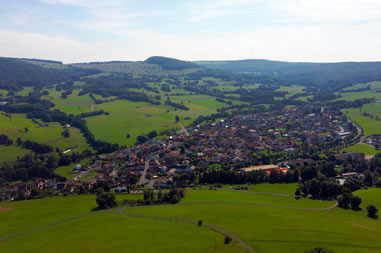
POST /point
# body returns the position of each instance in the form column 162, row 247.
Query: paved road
column 143, row 179
column 188, row 221
column 183, row 128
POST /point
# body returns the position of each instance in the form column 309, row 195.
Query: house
column 267, row 167
column 77, row 167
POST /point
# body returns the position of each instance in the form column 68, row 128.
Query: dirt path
column 261, row 193
column 4, row 209
column 183, row 128
column 191, row 222
column 44, row 226
column 120, row 212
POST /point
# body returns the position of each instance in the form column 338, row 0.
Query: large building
column 267, row 167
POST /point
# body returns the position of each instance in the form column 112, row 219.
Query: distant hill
column 18, row 73
column 170, row 63
column 308, row 74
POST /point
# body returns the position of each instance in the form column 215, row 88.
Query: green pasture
column 292, row 90
column 140, row 118
column 351, row 96
column 268, row 188
column 269, row 229
column 116, row 233
column 14, row 127
column 362, row 148
column 27, row 214
column 265, row 223
column 73, row 104
column 275, row 188
column 370, row 126
column 129, row 117
column 10, row 153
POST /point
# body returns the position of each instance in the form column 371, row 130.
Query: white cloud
column 32, row 45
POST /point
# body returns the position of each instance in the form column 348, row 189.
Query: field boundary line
column 45, row 226
column 119, row 212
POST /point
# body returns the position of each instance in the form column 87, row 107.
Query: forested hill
column 170, row 63
column 327, row 75
column 18, row 73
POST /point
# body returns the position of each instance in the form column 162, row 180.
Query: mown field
column 362, row 148
column 369, row 125
column 351, row 96
column 271, row 228
column 14, row 127
column 266, row 223
column 140, row 118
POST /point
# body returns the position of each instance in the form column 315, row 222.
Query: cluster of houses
column 160, row 163
column 374, row 140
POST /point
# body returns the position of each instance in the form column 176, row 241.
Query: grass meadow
column 362, row 148
column 14, row 127
column 265, row 223
column 370, row 126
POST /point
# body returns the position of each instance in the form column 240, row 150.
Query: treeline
column 91, row 114
column 177, row 105
column 35, row 165
column 221, row 100
column 172, row 196
column 75, row 121
column 119, row 85
column 227, row 176
column 4, row 140
column 34, row 146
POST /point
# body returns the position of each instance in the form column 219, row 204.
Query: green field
column 362, row 148
column 139, row 118
column 369, row 125
column 111, row 232
column 14, row 127
column 275, row 188
column 269, row 229
column 266, row 223
column 292, row 90
column 73, row 104
column 10, row 153
column 351, row 96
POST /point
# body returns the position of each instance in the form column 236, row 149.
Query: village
column 236, row 141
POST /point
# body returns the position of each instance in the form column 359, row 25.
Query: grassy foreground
column 265, row 223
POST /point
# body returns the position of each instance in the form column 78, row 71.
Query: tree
column 344, row 200
column 106, row 200
column 66, row 133
column 372, row 211
column 368, row 180
column 355, row 202
column 177, row 118
column 26, row 129
column 128, row 136
column 319, row 250
column 227, row 240
column 199, row 223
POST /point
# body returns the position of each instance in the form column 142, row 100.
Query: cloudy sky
column 102, row 30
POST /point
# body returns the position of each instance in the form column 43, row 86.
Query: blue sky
column 102, row 30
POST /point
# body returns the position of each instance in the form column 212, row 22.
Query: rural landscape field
column 190, row 126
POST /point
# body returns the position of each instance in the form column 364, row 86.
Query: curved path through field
column 120, row 212
column 187, row 221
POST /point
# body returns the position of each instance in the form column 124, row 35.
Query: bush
column 227, row 240
column 106, row 200
column 355, row 203
column 372, row 211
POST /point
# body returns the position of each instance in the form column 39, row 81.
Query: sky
column 133, row 30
